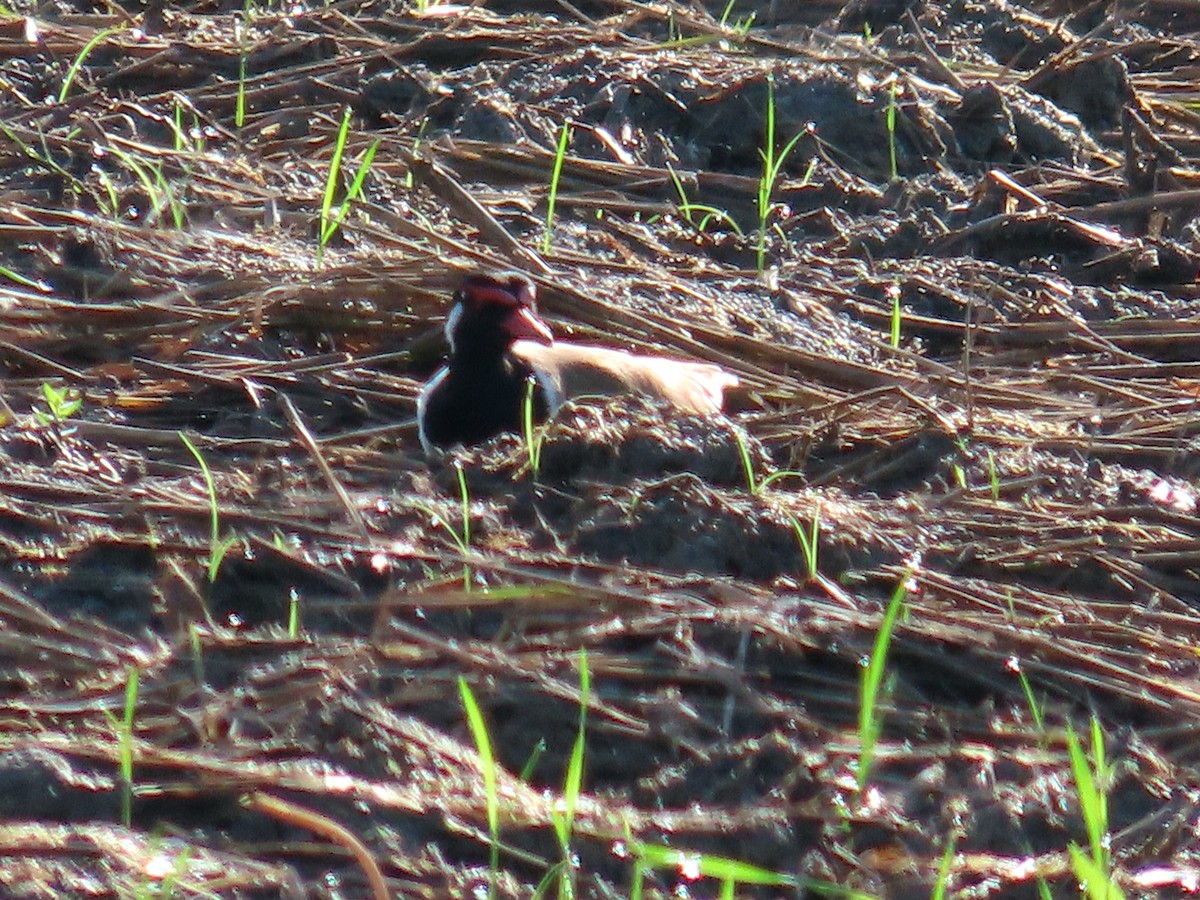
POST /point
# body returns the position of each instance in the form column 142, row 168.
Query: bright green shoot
column 809, row 542
column 758, row 488
column 960, row 470
column 1036, row 709
column 179, row 133
column 870, row 719
column 17, row 278
column 710, row 213
column 154, row 183
column 1092, row 780
column 331, row 220
column 487, row 764
column 993, row 476
column 534, row 436
column 43, row 159
column 740, row 26
column 61, row 403
column 217, row 546
column 239, row 111
column 731, row 872
column 124, row 730
column 564, row 819
column 462, row 535
column 185, row 138
column 464, row 498
column 943, row 876
column 893, row 291
column 772, row 166
column 416, row 147
column 81, row 58
column 564, row 138
column 176, row 206
column 293, row 627
column 535, row 756
column 891, row 127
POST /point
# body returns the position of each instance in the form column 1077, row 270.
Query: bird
column 498, row 343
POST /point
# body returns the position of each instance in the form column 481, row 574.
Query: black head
column 491, row 311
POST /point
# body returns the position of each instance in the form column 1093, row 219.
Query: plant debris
column 968, row 372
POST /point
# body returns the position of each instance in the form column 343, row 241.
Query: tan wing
column 568, row 371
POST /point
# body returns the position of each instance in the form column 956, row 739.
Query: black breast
column 472, row 404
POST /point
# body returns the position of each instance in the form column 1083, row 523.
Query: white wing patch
column 452, row 319
column 423, row 403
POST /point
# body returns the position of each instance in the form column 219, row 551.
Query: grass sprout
column 331, row 219
column 689, row 210
column 461, row 536
column 239, row 110
column 217, row 546
column 891, row 127
column 943, row 873
column 124, row 730
column 17, row 278
column 1092, row 779
column 43, row 159
column 893, row 291
column 730, row 872
column 61, row 403
column 487, row 764
column 534, row 436
column 154, row 183
column 756, row 487
column 535, row 757
column 691, row 865
column 772, row 166
column 564, row 819
column 293, row 627
column 740, row 26
column 178, row 132
column 809, row 542
column 564, row 138
column 1036, row 709
column 870, row 719
column 81, row 58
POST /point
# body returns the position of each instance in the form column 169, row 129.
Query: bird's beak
column 524, row 325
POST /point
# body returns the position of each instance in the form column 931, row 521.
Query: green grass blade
column 81, row 58
column 1088, row 793
column 943, row 874
column 564, row 136
column 533, row 440
column 331, row 178
column 747, row 463
column 125, row 748
column 215, row 551
column 239, row 110
column 487, row 762
column 355, row 188
column 706, row 865
column 869, row 724
column 891, row 129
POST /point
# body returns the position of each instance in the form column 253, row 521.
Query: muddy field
column 243, row 615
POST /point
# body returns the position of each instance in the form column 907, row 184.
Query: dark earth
column 240, row 609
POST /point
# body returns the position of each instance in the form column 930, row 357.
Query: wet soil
column 241, row 610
